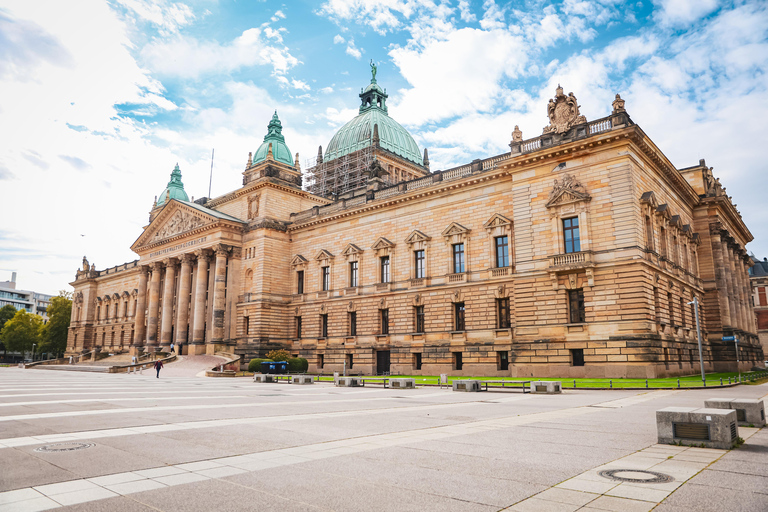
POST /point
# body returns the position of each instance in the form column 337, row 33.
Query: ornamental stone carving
column 618, row 105
column 563, row 112
column 179, row 223
column 567, row 190
column 517, row 134
column 253, row 206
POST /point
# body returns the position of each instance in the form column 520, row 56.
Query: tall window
column 663, row 241
column 350, row 361
column 385, row 269
column 656, row 306
column 320, row 361
column 418, row 257
column 352, row 323
column 502, row 313
column 458, row 316
column 648, row 233
column 352, row 274
column 682, row 311
column 419, row 318
column 502, row 360
column 576, row 306
column 417, row 361
column 675, row 250
column 246, row 325
column 458, row 258
column 571, row 235
column 671, row 306
column 502, row 251
column 324, row 326
column 458, row 364
column 326, row 278
column 300, row 282
column 577, row 357
column 761, row 297
column 384, row 317
column 298, row 327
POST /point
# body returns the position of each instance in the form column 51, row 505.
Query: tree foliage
column 278, row 355
column 6, row 313
column 21, row 331
column 54, row 335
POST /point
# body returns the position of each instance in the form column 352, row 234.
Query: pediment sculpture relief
column 567, row 190
column 180, row 222
column 563, row 112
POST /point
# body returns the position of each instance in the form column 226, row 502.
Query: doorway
column 382, row 362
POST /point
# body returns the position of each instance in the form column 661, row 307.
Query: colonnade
column 733, row 279
column 180, row 297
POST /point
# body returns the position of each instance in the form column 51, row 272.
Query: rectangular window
column 761, row 296
column 663, row 241
column 671, row 306
column 502, row 314
column 656, row 307
column 682, row 312
column 385, row 269
column 246, row 325
column 648, row 233
column 502, row 251
column 577, row 314
column 298, row 327
column 300, row 282
column 502, row 360
column 418, row 257
column 458, row 316
column 320, row 361
column 571, row 235
column 419, row 319
column 326, row 278
column 324, row 326
column 352, row 323
column 352, row 274
column 458, row 258
column 577, row 357
column 384, row 317
column 350, row 361
column 458, row 364
column 417, row 361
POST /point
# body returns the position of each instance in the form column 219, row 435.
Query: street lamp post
column 33, row 351
column 695, row 303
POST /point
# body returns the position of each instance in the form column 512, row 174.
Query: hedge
column 298, row 365
column 255, row 364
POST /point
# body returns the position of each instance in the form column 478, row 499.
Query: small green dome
column 280, row 151
column 358, row 133
column 174, row 189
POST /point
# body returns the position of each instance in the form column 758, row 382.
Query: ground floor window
column 576, row 306
column 577, row 357
column 349, row 361
column 458, row 316
column 458, row 364
column 417, row 361
column 320, row 361
column 502, row 360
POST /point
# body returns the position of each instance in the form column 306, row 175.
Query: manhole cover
column 64, row 447
column 639, row 476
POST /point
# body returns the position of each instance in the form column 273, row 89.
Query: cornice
column 263, row 183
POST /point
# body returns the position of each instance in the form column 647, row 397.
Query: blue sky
column 101, row 99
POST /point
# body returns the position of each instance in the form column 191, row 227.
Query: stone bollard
column 466, row 385
column 548, row 387
column 302, row 379
column 402, row 383
column 749, row 411
column 713, row 428
column 349, row 382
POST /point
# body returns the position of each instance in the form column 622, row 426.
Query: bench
column 749, row 411
column 523, row 384
column 376, row 380
column 712, row 428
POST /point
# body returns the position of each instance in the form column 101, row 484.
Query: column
column 198, row 328
column 182, row 304
column 166, row 328
column 154, row 304
column 219, row 289
column 140, row 327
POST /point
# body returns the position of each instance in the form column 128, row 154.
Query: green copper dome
column 358, row 133
column 175, row 188
column 280, row 151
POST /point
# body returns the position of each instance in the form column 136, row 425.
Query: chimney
column 13, row 277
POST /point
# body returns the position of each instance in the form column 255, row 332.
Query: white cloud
column 683, row 12
column 188, row 57
column 466, row 13
column 300, row 85
column 352, row 50
column 337, row 39
column 168, row 17
column 326, row 90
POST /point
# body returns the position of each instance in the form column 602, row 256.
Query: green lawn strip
column 688, row 381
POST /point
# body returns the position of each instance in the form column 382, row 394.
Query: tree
column 21, row 331
column 54, row 335
column 6, row 313
column 278, row 355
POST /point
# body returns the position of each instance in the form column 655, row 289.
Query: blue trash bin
column 278, row 367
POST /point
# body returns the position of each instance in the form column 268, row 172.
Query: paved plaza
column 125, row 442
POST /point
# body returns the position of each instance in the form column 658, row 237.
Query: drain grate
column 64, row 447
column 639, row 476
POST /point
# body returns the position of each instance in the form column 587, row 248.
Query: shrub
column 278, row 355
column 297, row 365
column 255, row 364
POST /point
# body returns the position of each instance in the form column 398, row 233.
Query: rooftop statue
column 563, row 112
column 373, row 71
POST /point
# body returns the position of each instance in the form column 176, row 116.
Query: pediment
column 649, row 198
column 382, row 243
column 323, row 255
column 663, row 210
column 351, row 249
column 174, row 220
column 454, row 228
column 298, row 260
column 566, row 191
column 497, row 220
column 417, row 236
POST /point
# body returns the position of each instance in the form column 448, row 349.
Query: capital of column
column 203, row 254
column 170, row 262
column 187, row 259
column 157, row 265
column 144, row 270
column 222, row 249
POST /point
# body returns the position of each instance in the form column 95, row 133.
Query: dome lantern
column 274, row 138
column 174, row 189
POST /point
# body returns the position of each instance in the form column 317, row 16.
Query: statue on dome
column 85, row 264
column 373, row 71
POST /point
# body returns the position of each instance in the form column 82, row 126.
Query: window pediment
column 324, row 255
column 351, row 249
column 417, row 236
column 298, row 260
column 382, row 243
column 497, row 221
column 566, row 191
column 649, row 198
column 454, row 228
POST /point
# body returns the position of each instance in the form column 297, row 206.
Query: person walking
column 158, row 365
column 172, row 352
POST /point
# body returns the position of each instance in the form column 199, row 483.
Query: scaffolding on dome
column 335, row 177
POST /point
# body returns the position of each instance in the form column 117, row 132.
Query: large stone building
column 758, row 275
column 576, row 253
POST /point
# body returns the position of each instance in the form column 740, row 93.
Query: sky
column 100, row 99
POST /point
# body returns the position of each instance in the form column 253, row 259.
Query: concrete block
column 749, row 411
column 302, row 379
column 466, row 385
column 349, row 382
column 402, row 383
column 713, row 428
column 549, row 387
column 264, row 377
